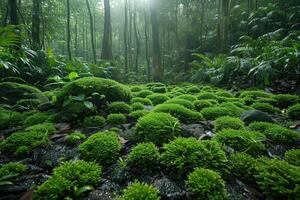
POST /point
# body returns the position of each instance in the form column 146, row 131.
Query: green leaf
column 79, row 97
column 73, row 75
column 88, row 104
column 83, row 189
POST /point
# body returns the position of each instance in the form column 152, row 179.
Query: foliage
column 119, row 107
column 116, row 119
column 227, row 122
column 144, row 101
column 266, row 107
column 212, row 113
column 188, row 97
column 158, row 98
column 158, row 128
column 75, row 136
column 12, row 168
column 200, row 104
column 207, row 96
column 294, row 111
column 138, row 114
column 36, row 118
column 206, row 184
column 293, row 157
column 137, row 191
column 137, row 106
column 285, row 100
column 180, row 101
column 144, row 93
column 94, row 121
column 10, row 119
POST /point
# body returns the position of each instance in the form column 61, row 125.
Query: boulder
column 250, row 116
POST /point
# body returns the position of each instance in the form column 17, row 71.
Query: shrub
column 183, row 102
column 36, row 118
column 12, row 168
column 183, row 114
column 103, row 148
column 254, row 94
column 144, row 93
column 294, row 112
column 94, row 121
column 265, row 107
column 285, row 100
column 119, row 107
column 188, row 97
column 277, row 179
column 137, row 106
column 138, row 114
column 213, row 113
column 185, row 154
column 193, row 90
column 74, row 137
column 158, row 98
column 70, row 175
column 116, row 119
column 293, row 157
column 243, row 167
column 200, row 104
column 206, row 184
column 140, row 191
column 207, row 95
column 158, row 128
column 250, row 142
column 143, row 156
column 227, row 122
column 143, row 101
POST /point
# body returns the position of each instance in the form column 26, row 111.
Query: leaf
column 73, row 75
column 83, row 189
column 88, row 104
column 79, row 97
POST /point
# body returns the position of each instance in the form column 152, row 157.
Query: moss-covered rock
column 144, row 93
column 266, row 107
column 116, row 119
column 250, row 116
column 212, row 113
column 206, row 96
column 158, row 98
column 294, row 112
column 10, row 119
column 188, row 97
column 285, row 100
column 94, row 121
column 139, row 191
column 200, row 104
column 137, row 106
column 293, row 157
column 12, row 168
column 37, row 118
column 227, row 122
column 143, row 101
column 186, row 103
column 138, row 114
column 119, row 107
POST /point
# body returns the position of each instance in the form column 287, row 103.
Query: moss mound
column 158, row 98
column 139, row 191
column 294, row 112
column 227, row 122
column 293, row 157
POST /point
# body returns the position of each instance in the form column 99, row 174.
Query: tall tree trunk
column 68, row 31
column 92, row 30
column 225, row 24
column 130, row 35
column 125, row 35
column 157, row 67
column 13, row 12
column 137, row 39
column 146, row 42
column 107, row 36
column 76, row 36
column 6, row 13
column 36, row 24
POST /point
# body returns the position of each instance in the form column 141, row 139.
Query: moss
column 250, row 142
column 293, row 157
column 160, row 89
column 183, row 114
column 103, row 148
column 207, row 95
column 138, row 114
column 36, row 118
column 188, row 97
column 262, row 126
column 224, row 94
column 143, row 156
column 12, row 168
column 184, row 154
column 116, row 119
column 265, row 107
column 233, row 109
column 183, row 102
column 47, row 128
column 294, row 112
column 227, row 122
column 10, row 119
column 139, row 191
column 29, row 103
column 143, row 101
column 158, row 128
column 136, row 88
column 285, row 100
column 278, row 180
column 206, row 184
column 200, row 104
column 74, row 111
column 254, row 94
column 137, row 106
column 144, row 93
column 68, row 176
column 94, row 121
column 75, row 137
column 243, row 167
column 271, row 101
column 119, row 107
column 193, row 90
column 156, row 84
column 213, row 113
column 158, row 98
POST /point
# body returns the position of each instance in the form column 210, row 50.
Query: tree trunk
column 158, row 70
column 36, row 24
column 125, row 35
column 225, row 24
column 146, row 43
column 76, row 36
column 92, row 30
column 107, row 36
column 13, row 12
column 137, row 40
column 68, row 31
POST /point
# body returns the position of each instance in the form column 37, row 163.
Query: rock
column 99, row 195
column 169, row 189
column 250, row 116
column 63, row 127
column 195, row 130
column 46, row 106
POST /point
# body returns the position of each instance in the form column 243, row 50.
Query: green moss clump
column 186, row 103
column 143, row 156
column 294, row 112
column 138, row 114
column 262, row 126
column 206, row 96
column 285, row 100
column 254, row 94
column 12, row 168
column 144, row 93
column 206, row 184
column 224, row 94
column 250, row 142
column 119, row 107
column 200, row 104
column 158, row 128
column 66, row 177
column 143, row 101
column 265, row 107
column 227, row 122
column 75, row 137
column 158, row 98
column 10, row 119
column 94, row 121
column 47, row 128
column 293, row 157
column 116, row 119
column 185, row 154
column 136, row 88
column 103, row 148
column 160, row 89
column 139, row 191
column 36, row 118
column 213, row 113
column 193, row 90
column 271, row 101
column 180, row 112
column 137, row 106
column 188, row 97
column 236, row 111
column 243, row 167
column 277, row 179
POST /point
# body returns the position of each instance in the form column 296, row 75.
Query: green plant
column 200, row 104
column 161, row 89
column 103, row 148
column 261, row 126
column 12, row 168
column 143, row 156
column 293, row 157
column 227, row 122
column 119, row 107
column 94, row 121
column 158, row 98
column 285, row 100
column 47, row 128
column 144, row 93
column 207, row 96
column 184, row 154
column 294, row 112
column 70, row 179
column 188, row 97
column 180, row 112
column 138, row 114
column 10, row 118
column 254, row 94
column 212, row 113
column 116, row 119
column 186, row 103
column 206, row 184
column 137, row 106
column 143, row 101
column 277, row 179
column 36, row 118
column 158, row 128
column 75, row 136
column 235, row 110
column 193, row 90
column 136, row 88
column 250, row 142
column 266, row 107
column 139, row 191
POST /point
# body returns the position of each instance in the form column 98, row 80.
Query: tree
column 125, row 35
column 35, row 31
column 68, row 31
column 107, row 35
column 13, row 12
column 92, row 30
